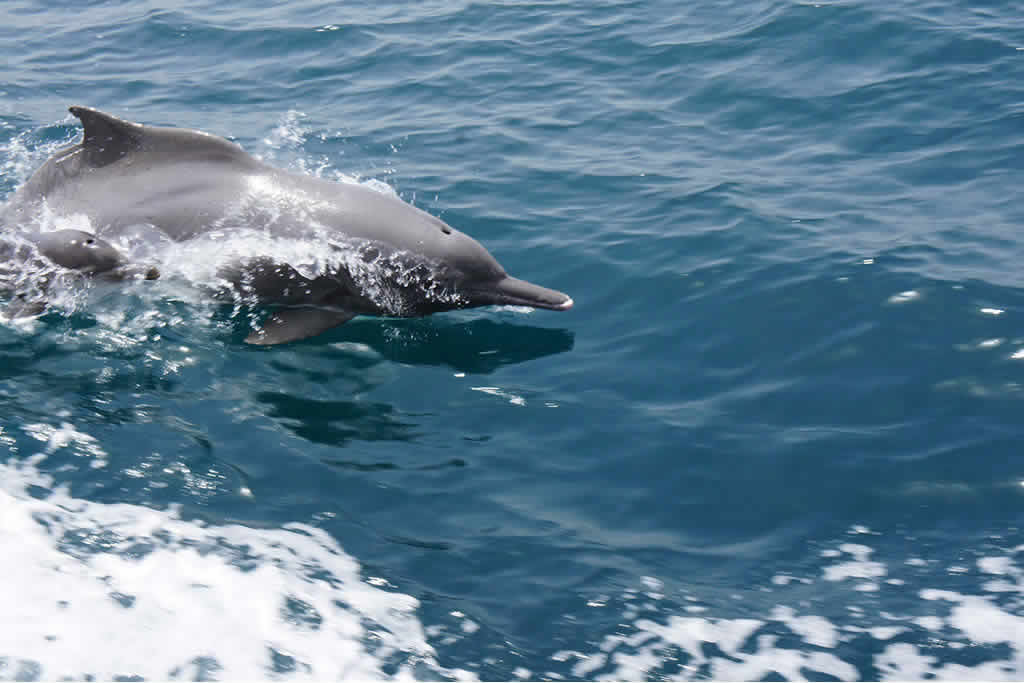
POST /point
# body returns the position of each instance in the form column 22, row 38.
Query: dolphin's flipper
column 293, row 324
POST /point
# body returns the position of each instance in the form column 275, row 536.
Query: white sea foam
column 109, row 590
column 660, row 639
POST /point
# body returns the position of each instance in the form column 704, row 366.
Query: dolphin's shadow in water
column 475, row 346
column 478, row 346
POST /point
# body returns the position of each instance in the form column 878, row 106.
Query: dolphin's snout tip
column 514, row 291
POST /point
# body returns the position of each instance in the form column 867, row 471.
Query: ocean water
column 778, row 436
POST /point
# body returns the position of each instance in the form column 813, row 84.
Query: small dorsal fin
column 106, row 138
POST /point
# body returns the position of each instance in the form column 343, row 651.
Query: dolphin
column 382, row 256
column 74, row 250
column 88, row 254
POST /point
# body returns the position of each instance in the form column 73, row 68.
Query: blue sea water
column 778, row 436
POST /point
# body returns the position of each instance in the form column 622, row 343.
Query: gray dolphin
column 75, row 250
column 86, row 253
column 385, row 257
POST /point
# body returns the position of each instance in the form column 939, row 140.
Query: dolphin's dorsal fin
column 106, row 138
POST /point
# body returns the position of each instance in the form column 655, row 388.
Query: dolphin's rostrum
column 385, row 256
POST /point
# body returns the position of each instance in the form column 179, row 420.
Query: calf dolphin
column 75, row 250
column 383, row 256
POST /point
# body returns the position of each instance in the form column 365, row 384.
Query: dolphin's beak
column 515, row 292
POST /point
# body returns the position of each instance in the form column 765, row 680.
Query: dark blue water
column 779, row 435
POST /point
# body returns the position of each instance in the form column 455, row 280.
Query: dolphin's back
column 186, row 182
column 123, row 173
column 107, row 139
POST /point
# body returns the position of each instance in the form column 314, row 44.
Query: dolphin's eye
column 446, row 230
column 90, row 241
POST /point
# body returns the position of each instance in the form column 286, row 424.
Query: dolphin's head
column 89, row 254
column 79, row 250
column 479, row 278
column 414, row 260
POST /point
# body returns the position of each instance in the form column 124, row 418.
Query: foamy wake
column 936, row 633
column 113, row 590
